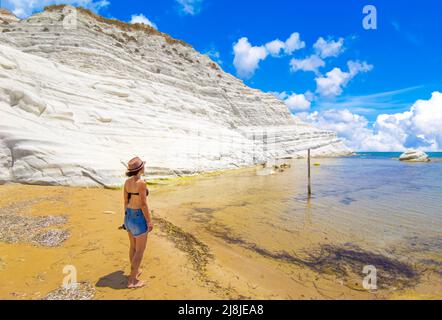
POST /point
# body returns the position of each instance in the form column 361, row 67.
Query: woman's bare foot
column 136, row 284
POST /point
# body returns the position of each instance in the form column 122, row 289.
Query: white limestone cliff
column 80, row 95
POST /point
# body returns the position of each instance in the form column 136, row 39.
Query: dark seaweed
column 344, row 261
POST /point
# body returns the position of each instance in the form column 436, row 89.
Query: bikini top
column 130, row 194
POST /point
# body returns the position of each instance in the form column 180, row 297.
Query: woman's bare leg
column 140, row 247
column 131, row 248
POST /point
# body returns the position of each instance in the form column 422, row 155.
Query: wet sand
column 230, row 236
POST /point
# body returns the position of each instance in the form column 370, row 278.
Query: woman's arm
column 142, row 189
column 126, row 197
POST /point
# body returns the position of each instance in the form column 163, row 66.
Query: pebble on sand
column 83, row 291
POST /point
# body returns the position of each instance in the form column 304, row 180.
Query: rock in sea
column 414, row 156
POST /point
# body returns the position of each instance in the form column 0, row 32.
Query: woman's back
column 133, row 187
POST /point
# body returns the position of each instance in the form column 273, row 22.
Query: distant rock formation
column 414, row 156
column 80, row 95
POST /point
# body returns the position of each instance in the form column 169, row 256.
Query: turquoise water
column 377, row 155
column 377, row 201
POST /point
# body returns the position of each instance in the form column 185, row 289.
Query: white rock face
column 78, row 101
column 414, row 156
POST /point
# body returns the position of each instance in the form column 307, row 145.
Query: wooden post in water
column 309, row 175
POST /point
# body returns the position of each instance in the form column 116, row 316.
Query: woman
column 137, row 219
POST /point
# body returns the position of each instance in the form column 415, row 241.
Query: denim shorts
column 135, row 222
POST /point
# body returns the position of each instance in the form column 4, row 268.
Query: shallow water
column 381, row 199
column 372, row 202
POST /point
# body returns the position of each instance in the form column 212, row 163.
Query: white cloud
column 332, row 84
column 419, row 127
column 356, row 67
column 330, row 48
column 247, row 57
column 312, row 63
column 352, row 128
column 191, row 7
column 274, row 47
column 298, row 102
column 323, row 49
column 293, row 43
column 141, row 18
column 295, row 102
column 25, row 8
column 422, row 124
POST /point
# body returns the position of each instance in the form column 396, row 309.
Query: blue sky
column 397, row 64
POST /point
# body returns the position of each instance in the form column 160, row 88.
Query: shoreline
column 174, row 179
column 171, row 179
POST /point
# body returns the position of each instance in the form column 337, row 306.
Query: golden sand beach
column 216, row 236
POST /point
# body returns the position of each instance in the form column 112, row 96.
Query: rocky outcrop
column 7, row 17
column 414, row 156
column 80, row 95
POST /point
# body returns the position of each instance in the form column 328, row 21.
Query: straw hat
column 135, row 165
